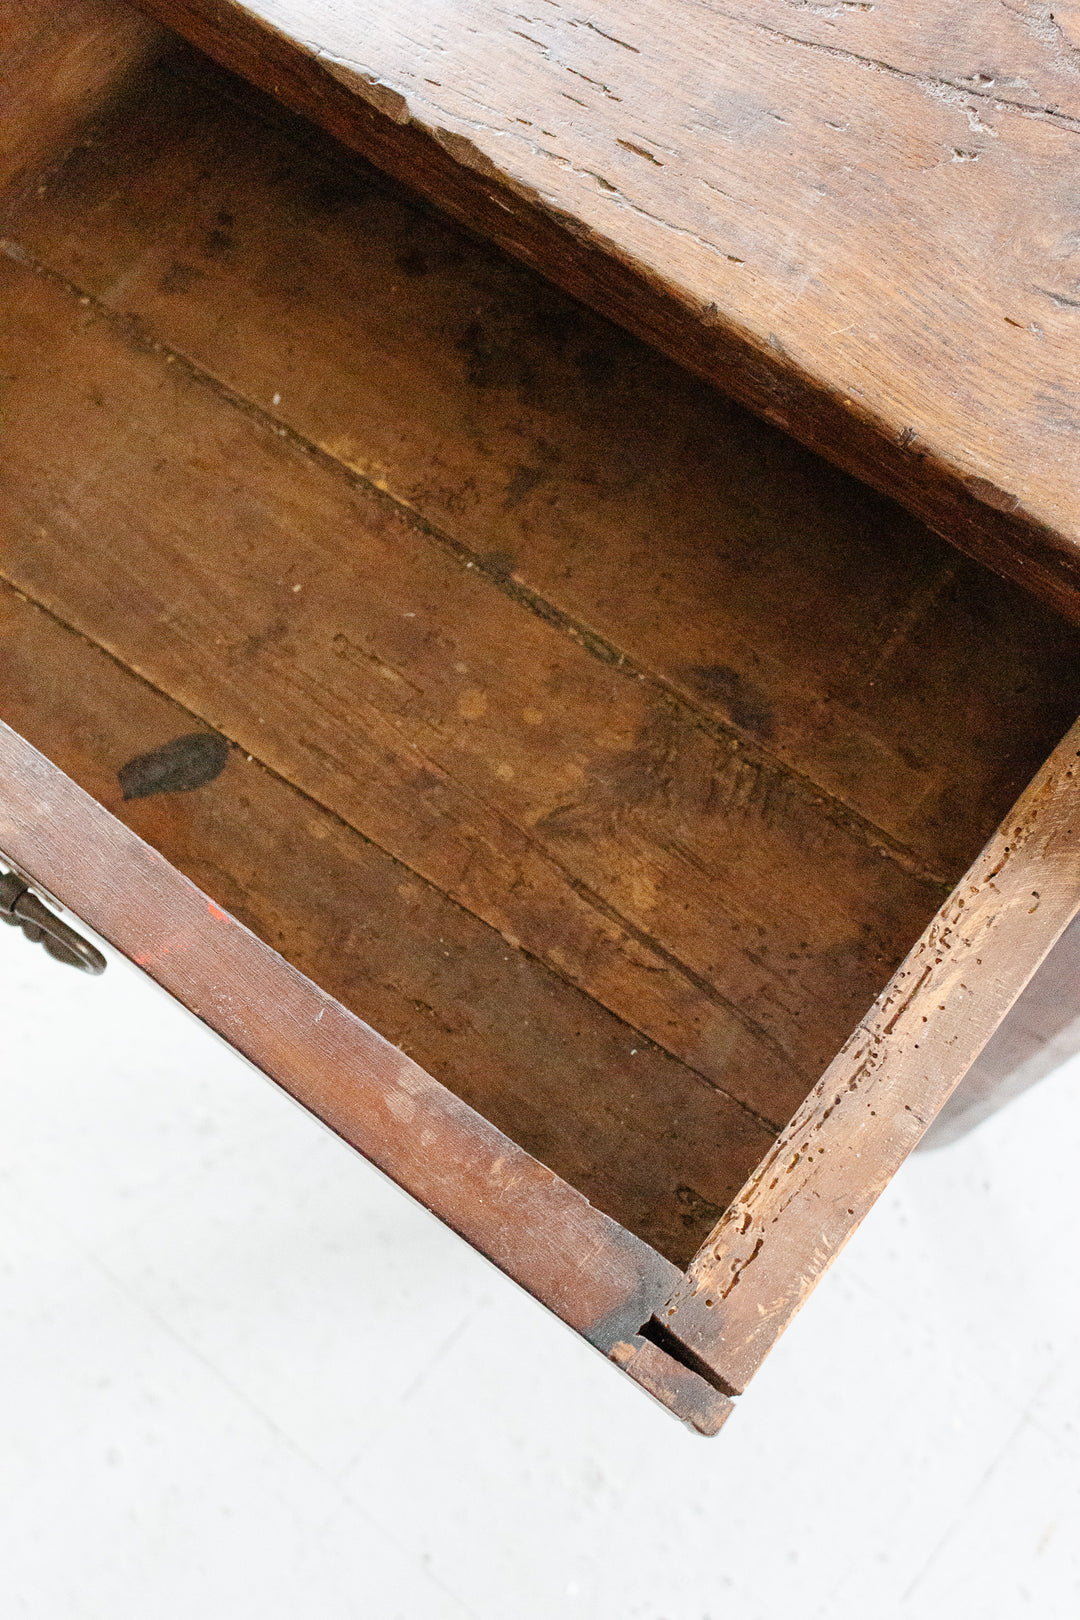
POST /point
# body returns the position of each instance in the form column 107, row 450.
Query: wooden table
column 859, row 220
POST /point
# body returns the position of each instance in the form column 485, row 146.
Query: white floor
column 243, row 1378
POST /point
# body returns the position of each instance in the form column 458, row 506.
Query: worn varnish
column 567, row 461
column 646, row 1139
column 598, row 745
column 553, row 794
column 858, row 220
column 681, row 833
column 541, row 1232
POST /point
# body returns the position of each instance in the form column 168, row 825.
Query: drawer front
column 597, row 1277
column 713, row 1325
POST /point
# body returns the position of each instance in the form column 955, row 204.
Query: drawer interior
column 589, row 738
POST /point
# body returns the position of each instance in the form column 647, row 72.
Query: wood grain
column 534, row 1227
column 862, row 229
column 58, row 65
column 882, row 1090
column 817, row 622
column 647, row 1141
column 686, row 1392
column 726, row 910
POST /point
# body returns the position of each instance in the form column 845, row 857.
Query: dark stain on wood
column 599, row 1278
column 178, row 766
column 540, row 1060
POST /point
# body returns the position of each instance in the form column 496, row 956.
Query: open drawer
column 601, row 748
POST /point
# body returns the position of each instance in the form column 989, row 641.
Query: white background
column 244, row 1378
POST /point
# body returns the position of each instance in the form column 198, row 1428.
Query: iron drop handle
column 21, row 908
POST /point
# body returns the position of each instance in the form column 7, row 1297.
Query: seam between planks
column 134, row 330
column 601, row 906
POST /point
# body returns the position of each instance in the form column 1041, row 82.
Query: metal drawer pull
column 20, row 907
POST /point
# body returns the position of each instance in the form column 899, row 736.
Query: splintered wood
column 882, row 1090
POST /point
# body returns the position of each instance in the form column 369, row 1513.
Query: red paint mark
column 216, row 912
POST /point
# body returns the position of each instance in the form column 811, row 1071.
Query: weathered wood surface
column 1041, row 1033
column 646, row 1140
column 600, row 1279
column 816, row 621
column 723, row 837
column 857, row 221
column 724, row 909
column 881, row 1092
column 867, row 698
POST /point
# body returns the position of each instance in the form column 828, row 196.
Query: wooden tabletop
column 859, row 221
